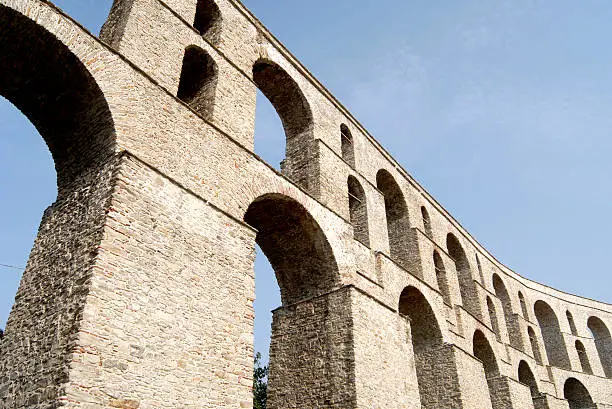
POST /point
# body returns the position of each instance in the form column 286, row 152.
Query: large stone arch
column 396, row 212
column 469, row 294
column 511, row 319
column 603, row 343
column 289, row 101
column 577, row 395
column 304, row 349
column 56, row 90
column 554, row 344
column 295, row 245
column 430, row 352
column 481, row 348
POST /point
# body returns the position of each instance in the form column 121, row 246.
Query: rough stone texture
column 139, row 289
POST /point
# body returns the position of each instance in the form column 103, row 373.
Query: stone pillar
column 311, row 354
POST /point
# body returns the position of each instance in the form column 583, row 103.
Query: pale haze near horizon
column 502, row 110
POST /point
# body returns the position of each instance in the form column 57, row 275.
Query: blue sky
column 501, row 109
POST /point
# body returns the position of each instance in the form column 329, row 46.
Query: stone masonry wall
column 139, row 290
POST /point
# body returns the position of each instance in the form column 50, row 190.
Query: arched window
column 578, row 397
column 208, row 20
column 553, row 339
column 294, row 111
column 396, row 211
column 426, row 222
column 348, row 150
column 493, row 318
column 535, row 347
column 526, row 377
column 483, row 351
column 570, row 321
column 441, row 277
column 583, row 357
column 480, row 273
column 358, row 209
column 429, row 350
column 603, row 343
column 523, row 305
column 512, row 324
column 198, row 81
column 469, row 295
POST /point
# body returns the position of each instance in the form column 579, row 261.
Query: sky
column 500, row 109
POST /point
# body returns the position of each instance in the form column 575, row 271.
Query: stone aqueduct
column 139, row 289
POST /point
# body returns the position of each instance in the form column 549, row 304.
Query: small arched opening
column 208, row 20
column 554, row 343
column 358, row 211
column 603, row 343
column 469, row 295
column 348, row 149
column 583, row 358
column 526, row 377
column 512, row 324
column 426, row 222
column 398, row 226
column 198, row 81
column 441, row 278
column 578, row 397
column 429, row 349
column 570, row 322
column 535, row 348
column 291, row 105
column 493, row 318
column 484, row 353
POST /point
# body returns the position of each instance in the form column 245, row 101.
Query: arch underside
column 54, row 89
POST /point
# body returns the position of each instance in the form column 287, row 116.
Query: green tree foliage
column 260, row 383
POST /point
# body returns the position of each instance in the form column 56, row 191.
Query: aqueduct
column 139, row 289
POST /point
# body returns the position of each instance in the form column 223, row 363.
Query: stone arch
column 535, row 348
column 207, row 20
column 493, row 318
column 526, row 377
column 523, row 305
column 426, row 222
column 578, row 397
column 398, row 226
column 469, row 296
column 603, row 343
column 358, row 209
column 551, row 332
column 54, row 88
column 295, row 245
column 583, row 357
column 484, row 353
column 570, row 322
column 198, row 81
column 295, row 113
column 441, row 277
column 429, row 350
column 347, row 145
column 512, row 324
column 304, row 326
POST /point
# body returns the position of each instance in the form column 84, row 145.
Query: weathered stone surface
column 139, row 289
